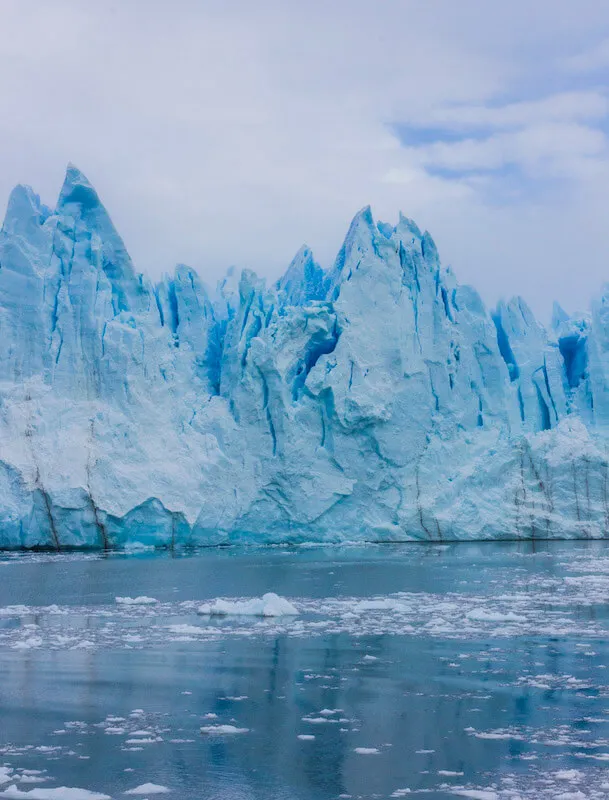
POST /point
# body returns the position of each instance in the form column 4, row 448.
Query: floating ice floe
column 142, row 600
column 269, row 605
column 484, row 615
column 60, row 793
column 222, row 730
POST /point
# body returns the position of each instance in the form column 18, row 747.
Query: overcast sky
column 222, row 133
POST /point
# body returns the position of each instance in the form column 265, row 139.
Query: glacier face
column 378, row 400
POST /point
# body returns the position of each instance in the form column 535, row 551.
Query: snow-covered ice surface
column 465, row 670
column 378, row 400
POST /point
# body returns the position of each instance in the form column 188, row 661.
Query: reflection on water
column 472, row 669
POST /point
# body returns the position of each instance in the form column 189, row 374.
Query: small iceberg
column 142, row 600
column 269, row 605
column 222, row 730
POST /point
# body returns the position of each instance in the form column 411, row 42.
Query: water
column 465, row 670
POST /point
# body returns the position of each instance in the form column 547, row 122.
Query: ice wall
column 378, row 400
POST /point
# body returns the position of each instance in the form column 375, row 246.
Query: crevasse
column 377, row 401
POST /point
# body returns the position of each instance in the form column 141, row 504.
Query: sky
column 232, row 132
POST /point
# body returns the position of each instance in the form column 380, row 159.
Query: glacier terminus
column 378, row 400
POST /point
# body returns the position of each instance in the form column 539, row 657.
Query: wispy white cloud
column 590, row 60
column 573, row 106
column 543, row 149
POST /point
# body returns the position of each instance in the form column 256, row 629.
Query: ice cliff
column 379, row 400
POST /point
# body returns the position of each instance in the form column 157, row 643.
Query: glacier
column 376, row 401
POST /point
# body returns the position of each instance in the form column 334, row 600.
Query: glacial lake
column 463, row 670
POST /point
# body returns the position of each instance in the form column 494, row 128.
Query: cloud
column 550, row 148
column 574, row 106
column 231, row 132
column 592, row 60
